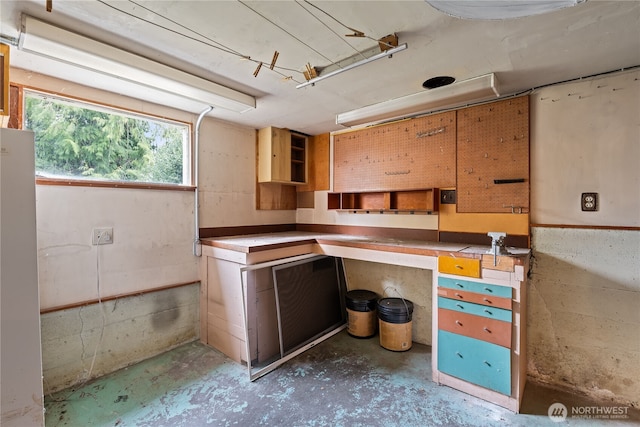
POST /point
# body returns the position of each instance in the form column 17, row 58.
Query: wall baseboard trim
column 114, row 297
column 586, row 227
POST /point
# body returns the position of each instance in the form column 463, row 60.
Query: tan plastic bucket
column 394, row 322
column 362, row 318
column 395, row 336
column 362, row 324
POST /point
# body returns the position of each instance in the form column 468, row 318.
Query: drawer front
column 479, row 288
column 475, row 309
column 481, row 328
column 489, row 300
column 461, row 266
column 478, row 362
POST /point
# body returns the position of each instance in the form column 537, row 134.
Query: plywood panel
column 318, row 154
column 450, row 220
column 405, row 155
column 493, row 146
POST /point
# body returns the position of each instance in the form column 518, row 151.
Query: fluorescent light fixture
column 386, row 53
column 477, row 89
column 499, row 9
column 56, row 43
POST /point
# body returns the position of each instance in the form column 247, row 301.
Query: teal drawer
column 478, row 362
column 480, row 288
column 477, row 309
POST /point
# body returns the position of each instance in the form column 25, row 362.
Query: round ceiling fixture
column 439, row 81
column 499, row 9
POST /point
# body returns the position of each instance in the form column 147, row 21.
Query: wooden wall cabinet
column 282, row 156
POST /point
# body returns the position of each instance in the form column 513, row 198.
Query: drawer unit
column 461, row 266
column 475, row 309
column 481, row 328
column 479, row 336
column 478, row 362
column 483, row 299
column 477, row 287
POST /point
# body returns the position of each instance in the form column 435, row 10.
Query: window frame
column 188, row 158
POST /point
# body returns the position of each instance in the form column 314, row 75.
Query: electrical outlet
column 102, row 236
column 589, row 201
column 447, row 197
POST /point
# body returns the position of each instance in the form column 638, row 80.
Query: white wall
column 584, row 289
column 152, row 242
column 228, row 178
column 585, row 137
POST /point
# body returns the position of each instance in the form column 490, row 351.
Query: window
column 79, row 140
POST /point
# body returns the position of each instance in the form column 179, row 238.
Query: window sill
column 113, row 184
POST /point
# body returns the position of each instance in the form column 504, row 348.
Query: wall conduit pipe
column 197, row 249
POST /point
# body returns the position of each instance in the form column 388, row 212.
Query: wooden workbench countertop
column 261, row 242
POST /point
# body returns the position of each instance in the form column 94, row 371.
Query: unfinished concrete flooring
column 343, row 381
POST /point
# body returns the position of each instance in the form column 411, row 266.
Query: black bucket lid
column 395, row 310
column 361, row 300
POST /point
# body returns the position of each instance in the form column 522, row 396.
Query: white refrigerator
column 22, row 402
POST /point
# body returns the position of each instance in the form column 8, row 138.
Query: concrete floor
column 343, row 381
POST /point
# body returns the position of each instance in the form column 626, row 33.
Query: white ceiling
column 590, row 38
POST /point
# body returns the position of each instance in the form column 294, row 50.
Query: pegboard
column 493, row 157
column 409, row 154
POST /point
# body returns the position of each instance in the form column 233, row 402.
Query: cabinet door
column 493, row 157
column 274, row 155
column 282, row 156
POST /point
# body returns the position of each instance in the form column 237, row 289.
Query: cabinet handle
column 486, row 300
column 459, row 285
column 459, row 355
column 488, row 289
column 459, row 267
column 488, row 312
column 460, row 306
column 458, row 295
column 486, row 330
column 458, row 323
column 486, row 363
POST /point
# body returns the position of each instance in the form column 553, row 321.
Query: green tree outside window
column 82, row 141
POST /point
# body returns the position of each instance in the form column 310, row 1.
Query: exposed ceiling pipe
column 197, row 248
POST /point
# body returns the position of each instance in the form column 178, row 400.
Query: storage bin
column 361, row 313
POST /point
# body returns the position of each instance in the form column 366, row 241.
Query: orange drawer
column 481, row 328
column 469, row 267
column 476, row 298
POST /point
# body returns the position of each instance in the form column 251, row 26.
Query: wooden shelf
column 298, row 158
column 409, row 201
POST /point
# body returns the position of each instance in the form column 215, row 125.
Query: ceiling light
column 384, row 54
column 499, row 9
column 477, row 89
column 56, row 43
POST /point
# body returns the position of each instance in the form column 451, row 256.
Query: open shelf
column 298, row 158
column 406, row 201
